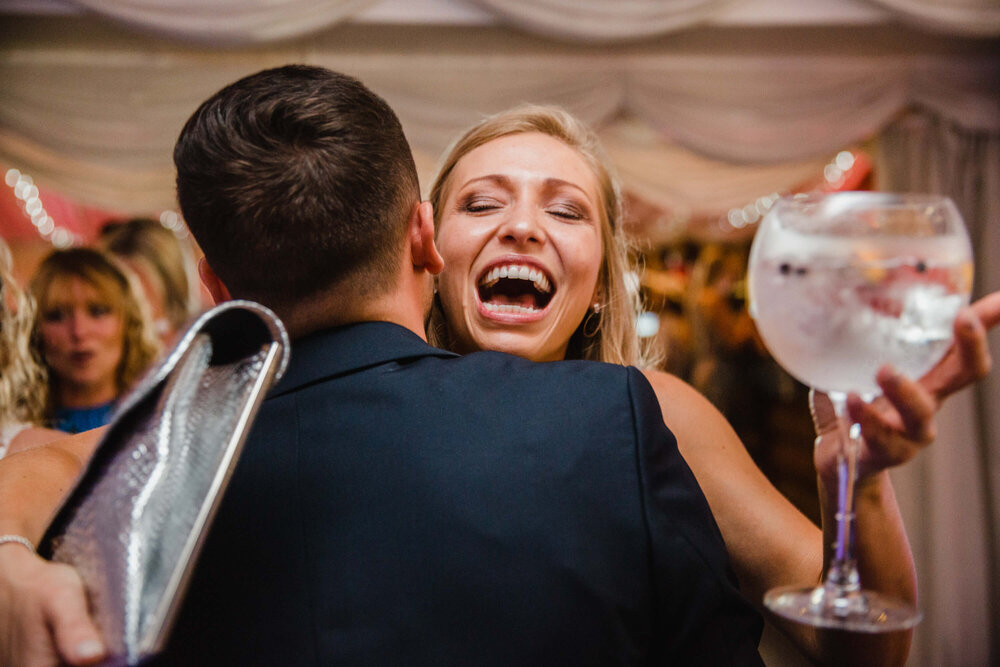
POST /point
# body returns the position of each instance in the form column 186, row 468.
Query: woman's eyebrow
column 498, row 179
column 552, row 183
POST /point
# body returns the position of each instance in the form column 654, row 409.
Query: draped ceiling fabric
column 250, row 21
column 93, row 112
column 220, row 22
column 699, row 118
column 961, row 17
column 604, row 19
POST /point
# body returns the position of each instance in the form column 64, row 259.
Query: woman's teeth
column 508, row 308
column 517, row 272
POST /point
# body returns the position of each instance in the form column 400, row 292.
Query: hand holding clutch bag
column 134, row 523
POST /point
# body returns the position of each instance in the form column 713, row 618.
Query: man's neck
column 335, row 308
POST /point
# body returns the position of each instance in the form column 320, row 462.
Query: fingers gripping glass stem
column 839, row 602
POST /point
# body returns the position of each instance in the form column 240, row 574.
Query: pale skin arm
column 771, row 543
column 43, row 610
column 33, row 437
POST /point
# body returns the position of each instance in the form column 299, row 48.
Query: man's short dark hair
column 295, row 179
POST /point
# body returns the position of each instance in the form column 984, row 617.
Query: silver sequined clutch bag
column 134, row 523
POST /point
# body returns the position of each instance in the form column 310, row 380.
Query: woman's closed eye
column 480, row 204
column 567, row 211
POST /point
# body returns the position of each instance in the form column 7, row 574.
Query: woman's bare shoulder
column 34, row 436
column 682, row 404
column 80, row 445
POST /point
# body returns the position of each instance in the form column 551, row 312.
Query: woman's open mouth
column 81, row 357
column 514, row 291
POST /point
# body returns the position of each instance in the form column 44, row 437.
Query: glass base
column 857, row 611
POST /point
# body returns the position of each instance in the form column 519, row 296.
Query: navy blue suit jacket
column 396, row 504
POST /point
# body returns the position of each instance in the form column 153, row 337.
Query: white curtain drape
column 970, row 17
column 769, row 109
column 599, row 20
column 688, row 185
column 950, row 495
column 97, row 121
column 223, row 22
column 250, row 21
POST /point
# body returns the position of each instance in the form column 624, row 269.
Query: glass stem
column 843, row 573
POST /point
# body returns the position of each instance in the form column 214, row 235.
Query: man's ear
column 423, row 250
column 213, row 283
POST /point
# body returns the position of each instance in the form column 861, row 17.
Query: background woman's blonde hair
column 165, row 258
column 115, row 284
column 23, row 380
column 610, row 334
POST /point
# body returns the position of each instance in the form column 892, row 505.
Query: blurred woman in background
column 165, row 267
column 23, row 386
column 92, row 332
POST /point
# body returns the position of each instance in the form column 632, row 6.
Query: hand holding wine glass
column 840, row 285
column 900, row 422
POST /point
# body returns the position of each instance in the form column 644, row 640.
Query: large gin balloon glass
column 841, row 284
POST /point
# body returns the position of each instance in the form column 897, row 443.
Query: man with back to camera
column 398, row 504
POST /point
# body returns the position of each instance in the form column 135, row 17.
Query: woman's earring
column 592, row 323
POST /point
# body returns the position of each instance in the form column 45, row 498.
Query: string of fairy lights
column 647, row 324
column 27, row 195
column 835, row 177
column 834, row 174
column 31, row 205
column 172, row 221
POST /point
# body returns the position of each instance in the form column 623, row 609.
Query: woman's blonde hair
column 165, row 257
column 609, row 334
column 115, row 284
column 23, row 380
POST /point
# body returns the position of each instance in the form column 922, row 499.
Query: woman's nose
column 523, row 227
column 79, row 324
